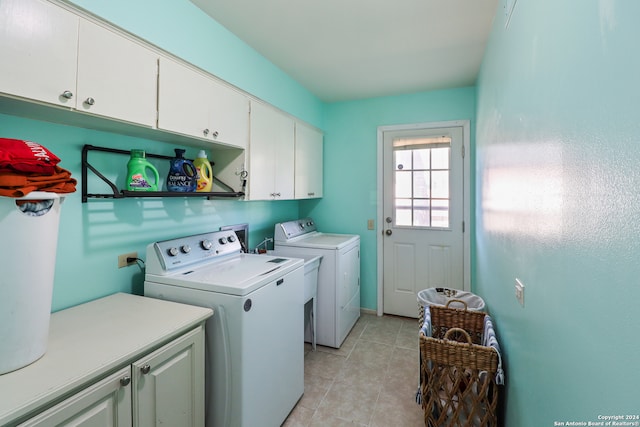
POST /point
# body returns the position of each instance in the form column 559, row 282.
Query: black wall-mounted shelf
column 121, row 194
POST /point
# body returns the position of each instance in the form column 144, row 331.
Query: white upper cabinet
column 193, row 104
column 308, row 169
column 271, row 154
column 54, row 56
column 228, row 115
column 38, row 47
column 116, row 76
column 182, row 100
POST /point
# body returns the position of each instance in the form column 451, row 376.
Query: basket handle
column 458, row 330
column 457, row 300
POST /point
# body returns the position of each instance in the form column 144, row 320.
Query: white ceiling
column 354, row 49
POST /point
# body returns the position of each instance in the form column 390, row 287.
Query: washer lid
column 321, row 241
column 237, row 275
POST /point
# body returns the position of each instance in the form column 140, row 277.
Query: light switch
column 370, row 224
column 520, row 292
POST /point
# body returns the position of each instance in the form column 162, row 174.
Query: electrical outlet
column 520, row 292
column 122, row 259
column 370, row 224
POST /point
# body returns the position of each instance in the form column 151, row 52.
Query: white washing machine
column 254, row 351
column 338, row 295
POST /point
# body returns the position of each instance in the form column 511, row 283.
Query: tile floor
column 370, row 381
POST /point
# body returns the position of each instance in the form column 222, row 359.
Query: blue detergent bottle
column 182, row 176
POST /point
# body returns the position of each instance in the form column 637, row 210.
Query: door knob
column 388, row 219
column 124, row 381
column 388, row 232
column 145, row 369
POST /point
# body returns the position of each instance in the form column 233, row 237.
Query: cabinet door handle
column 67, row 94
column 215, row 134
column 205, row 132
column 145, row 369
column 90, row 101
column 124, row 381
column 311, row 194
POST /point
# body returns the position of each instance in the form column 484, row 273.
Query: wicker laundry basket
column 458, row 375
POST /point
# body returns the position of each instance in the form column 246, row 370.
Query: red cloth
column 15, row 184
column 27, row 156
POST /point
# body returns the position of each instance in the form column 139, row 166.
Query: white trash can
column 27, row 267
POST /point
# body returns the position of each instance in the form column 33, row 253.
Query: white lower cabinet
column 165, row 387
column 121, row 360
column 105, row 403
column 168, row 384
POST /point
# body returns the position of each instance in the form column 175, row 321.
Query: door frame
column 466, row 135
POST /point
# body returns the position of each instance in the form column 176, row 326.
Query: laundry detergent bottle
column 138, row 171
column 182, row 176
column 205, row 174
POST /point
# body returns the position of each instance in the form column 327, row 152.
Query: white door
column 423, row 213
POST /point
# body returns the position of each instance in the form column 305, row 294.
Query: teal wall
column 351, row 165
column 92, row 235
column 558, row 149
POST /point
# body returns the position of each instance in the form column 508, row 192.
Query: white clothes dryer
column 338, row 292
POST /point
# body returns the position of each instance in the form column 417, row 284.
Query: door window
column 421, row 181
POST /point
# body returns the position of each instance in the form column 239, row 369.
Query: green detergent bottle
column 137, row 169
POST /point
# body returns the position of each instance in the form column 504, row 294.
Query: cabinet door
column 106, row 403
column 168, row 384
column 271, row 154
column 182, row 100
column 116, row 76
column 228, row 115
column 308, row 168
column 38, row 47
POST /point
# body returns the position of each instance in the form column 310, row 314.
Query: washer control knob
column 222, row 240
column 232, row 238
column 172, row 251
column 206, row 244
column 185, row 249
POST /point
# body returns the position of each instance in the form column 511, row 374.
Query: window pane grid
column 422, row 186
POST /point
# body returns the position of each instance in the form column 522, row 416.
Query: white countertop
column 88, row 341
